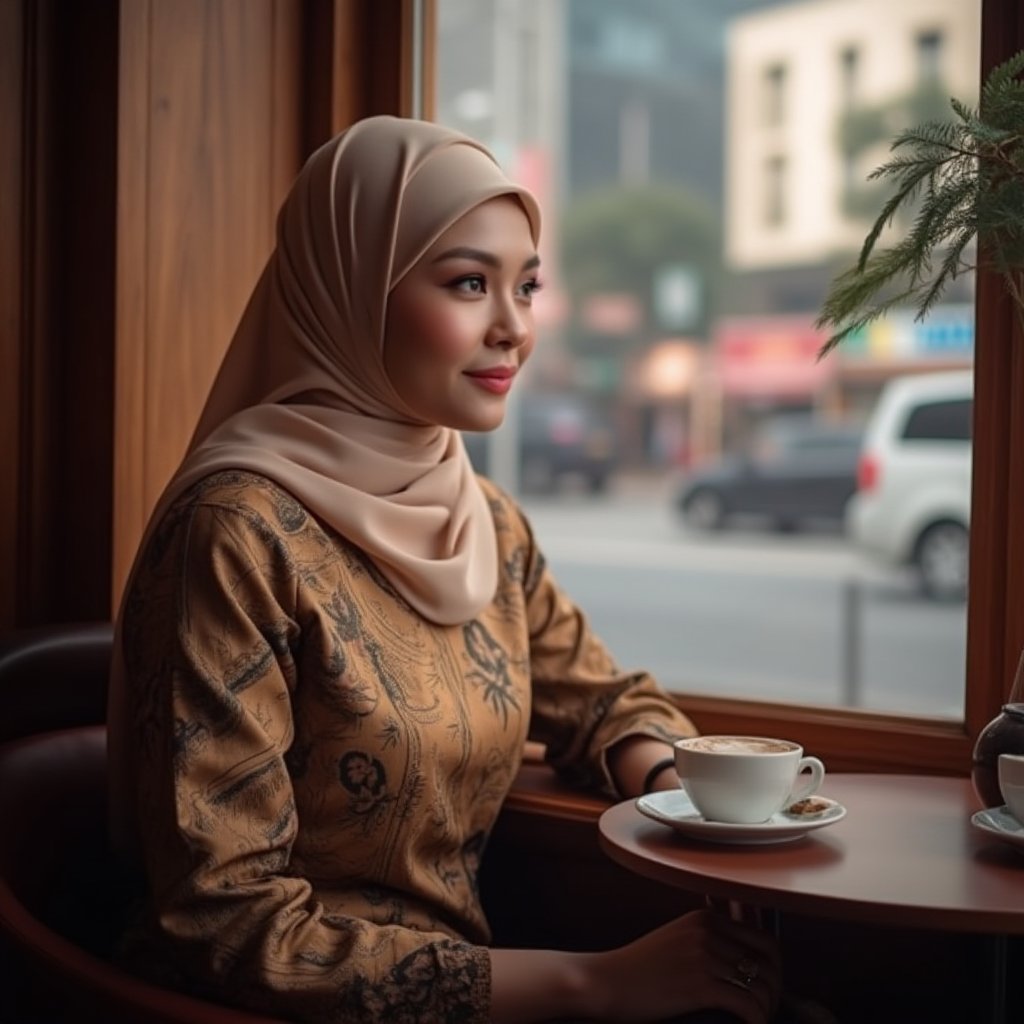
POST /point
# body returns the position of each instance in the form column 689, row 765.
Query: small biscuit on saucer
column 812, row 805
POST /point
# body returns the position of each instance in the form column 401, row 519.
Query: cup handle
column 805, row 786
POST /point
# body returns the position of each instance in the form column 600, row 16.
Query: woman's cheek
column 453, row 334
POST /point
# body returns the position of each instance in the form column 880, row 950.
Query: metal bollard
column 850, row 647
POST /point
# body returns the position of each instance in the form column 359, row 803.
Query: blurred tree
column 620, row 241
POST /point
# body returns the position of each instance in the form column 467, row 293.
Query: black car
column 561, row 437
column 796, row 474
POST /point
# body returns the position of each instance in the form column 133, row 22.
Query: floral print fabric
column 317, row 768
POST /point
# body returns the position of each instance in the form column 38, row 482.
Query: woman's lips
column 497, row 381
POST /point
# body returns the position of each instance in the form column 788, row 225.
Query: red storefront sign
column 771, row 357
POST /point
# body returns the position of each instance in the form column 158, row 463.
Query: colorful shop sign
column 946, row 334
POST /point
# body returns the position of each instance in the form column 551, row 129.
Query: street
column 750, row 613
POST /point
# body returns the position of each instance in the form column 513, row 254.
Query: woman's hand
column 702, row 960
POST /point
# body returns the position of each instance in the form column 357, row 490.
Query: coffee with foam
column 745, row 779
column 740, row 745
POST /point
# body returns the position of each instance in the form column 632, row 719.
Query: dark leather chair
column 53, row 677
column 62, row 894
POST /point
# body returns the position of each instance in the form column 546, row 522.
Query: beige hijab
column 302, row 396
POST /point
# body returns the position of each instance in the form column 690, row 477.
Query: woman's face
column 460, row 323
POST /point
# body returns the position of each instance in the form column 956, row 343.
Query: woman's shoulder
column 493, row 493
column 232, row 503
column 503, row 506
column 243, row 491
column 510, row 521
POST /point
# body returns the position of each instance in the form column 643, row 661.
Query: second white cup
column 1011, row 783
column 744, row 780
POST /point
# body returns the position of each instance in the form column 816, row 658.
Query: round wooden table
column 905, row 855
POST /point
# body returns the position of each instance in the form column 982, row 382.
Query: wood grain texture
column 209, row 143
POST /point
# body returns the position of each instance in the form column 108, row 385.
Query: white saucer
column 998, row 821
column 672, row 807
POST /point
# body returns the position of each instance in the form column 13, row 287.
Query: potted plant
column 962, row 181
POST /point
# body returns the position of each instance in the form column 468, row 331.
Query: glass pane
column 731, row 513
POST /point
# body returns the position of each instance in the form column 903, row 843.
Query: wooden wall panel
column 57, row 272
column 11, row 150
column 210, row 140
column 360, row 62
column 145, row 147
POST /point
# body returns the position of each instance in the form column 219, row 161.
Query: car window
column 807, row 445
column 843, row 446
column 940, row 421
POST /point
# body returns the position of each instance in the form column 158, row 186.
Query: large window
column 686, row 462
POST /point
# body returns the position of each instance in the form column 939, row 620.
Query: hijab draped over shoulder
column 302, row 395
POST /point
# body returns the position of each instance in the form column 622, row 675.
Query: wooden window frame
column 864, row 741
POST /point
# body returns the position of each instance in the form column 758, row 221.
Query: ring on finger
column 744, row 973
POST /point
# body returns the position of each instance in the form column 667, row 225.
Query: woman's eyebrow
column 465, row 252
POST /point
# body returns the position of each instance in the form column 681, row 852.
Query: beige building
column 792, row 72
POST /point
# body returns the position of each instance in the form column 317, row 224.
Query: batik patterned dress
column 317, row 768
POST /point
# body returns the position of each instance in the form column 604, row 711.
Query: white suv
column 912, row 505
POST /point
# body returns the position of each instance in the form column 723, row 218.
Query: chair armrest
column 58, row 675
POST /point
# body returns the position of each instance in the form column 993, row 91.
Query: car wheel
column 704, row 510
column 941, row 561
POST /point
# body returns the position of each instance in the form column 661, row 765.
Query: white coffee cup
column 1011, row 783
column 744, row 780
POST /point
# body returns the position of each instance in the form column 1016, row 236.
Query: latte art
column 739, row 745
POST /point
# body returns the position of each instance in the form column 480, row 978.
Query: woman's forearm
column 632, row 759
column 687, row 964
column 542, row 984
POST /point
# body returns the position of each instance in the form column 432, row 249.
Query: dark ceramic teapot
column 1003, row 735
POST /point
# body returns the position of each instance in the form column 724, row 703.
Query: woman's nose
column 512, row 327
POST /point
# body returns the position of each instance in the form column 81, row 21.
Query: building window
column 775, row 191
column 775, row 94
column 929, row 47
column 849, row 70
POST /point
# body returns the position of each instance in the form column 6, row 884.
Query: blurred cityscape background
column 704, row 175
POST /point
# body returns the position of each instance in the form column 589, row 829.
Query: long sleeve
column 219, row 644
column 583, row 703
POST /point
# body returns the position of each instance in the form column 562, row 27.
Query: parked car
column 800, row 471
column 912, row 505
column 560, row 437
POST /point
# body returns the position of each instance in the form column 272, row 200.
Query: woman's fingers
column 699, row 961
column 751, row 961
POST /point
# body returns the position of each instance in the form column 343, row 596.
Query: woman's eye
column 472, row 284
column 530, row 288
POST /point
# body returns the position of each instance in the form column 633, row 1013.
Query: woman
column 336, row 638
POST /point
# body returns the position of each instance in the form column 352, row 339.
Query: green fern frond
column 964, row 112
column 852, row 295
column 1001, row 82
